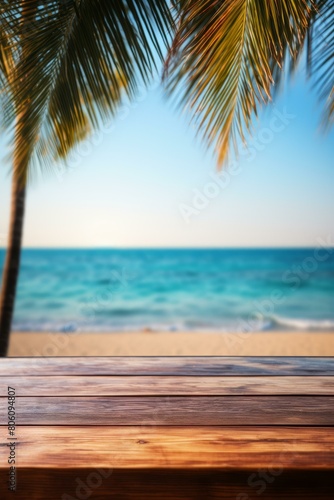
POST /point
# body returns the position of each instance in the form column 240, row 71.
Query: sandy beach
column 172, row 344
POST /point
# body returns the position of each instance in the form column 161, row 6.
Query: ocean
column 175, row 289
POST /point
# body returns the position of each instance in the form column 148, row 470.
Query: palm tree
column 7, row 66
column 66, row 65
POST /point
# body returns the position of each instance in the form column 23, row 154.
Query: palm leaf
column 321, row 57
column 6, row 56
column 224, row 59
column 76, row 59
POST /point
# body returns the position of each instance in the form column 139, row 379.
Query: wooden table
column 169, row 428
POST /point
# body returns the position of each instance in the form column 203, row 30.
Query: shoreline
column 151, row 343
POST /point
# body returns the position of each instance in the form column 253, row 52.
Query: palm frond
column 321, row 57
column 6, row 57
column 76, row 60
column 224, row 59
column 5, row 60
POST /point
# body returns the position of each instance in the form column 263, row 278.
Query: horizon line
column 269, row 247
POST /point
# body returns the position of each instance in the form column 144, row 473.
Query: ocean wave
column 148, row 324
column 302, row 324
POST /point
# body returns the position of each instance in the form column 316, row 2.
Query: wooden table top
column 160, row 422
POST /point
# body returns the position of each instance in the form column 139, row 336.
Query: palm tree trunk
column 13, row 255
column 12, row 264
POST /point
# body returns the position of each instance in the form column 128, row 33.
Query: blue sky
column 141, row 184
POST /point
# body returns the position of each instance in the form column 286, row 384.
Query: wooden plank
column 175, row 448
column 185, row 366
column 169, row 484
column 174, row 410
column 166, row 385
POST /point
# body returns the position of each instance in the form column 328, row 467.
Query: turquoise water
column 104, row 290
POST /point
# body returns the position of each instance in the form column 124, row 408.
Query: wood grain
column 171, row 428
column 185, row 366
column 168, row 484
column 165, row 385
column 173, row 410
column 149, row 447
